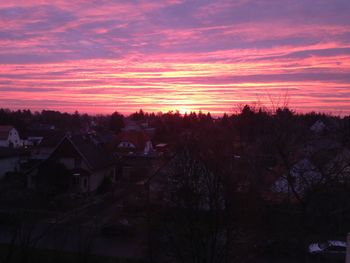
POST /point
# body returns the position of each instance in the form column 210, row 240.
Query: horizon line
column 236, row 111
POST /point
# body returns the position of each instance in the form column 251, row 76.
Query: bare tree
column 197, row 222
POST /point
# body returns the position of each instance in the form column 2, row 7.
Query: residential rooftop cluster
column 264, row 183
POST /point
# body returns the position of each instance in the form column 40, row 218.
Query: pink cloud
column 157, row 55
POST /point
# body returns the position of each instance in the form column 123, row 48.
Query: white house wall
column 13, row 137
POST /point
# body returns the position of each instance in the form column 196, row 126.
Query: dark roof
column 95, row 156
column 52, row 138
column 4, row 131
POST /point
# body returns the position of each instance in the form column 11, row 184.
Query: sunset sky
column 99, row 56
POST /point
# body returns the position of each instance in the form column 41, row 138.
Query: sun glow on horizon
column 156, row 57
column 184, row 111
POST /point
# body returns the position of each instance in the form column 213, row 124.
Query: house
column 134, row 142
column 9, row 137
column 318, row 127
column 104, row 138
column 9, row 160
column 36, row 133
column 86, row 163
column 49, row 140
column 40, row 145
column 138, row 156
column 303, row 175
column 138, row 125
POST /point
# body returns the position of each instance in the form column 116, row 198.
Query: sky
column 99, row 56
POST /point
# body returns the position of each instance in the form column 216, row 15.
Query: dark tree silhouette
column 116, row 122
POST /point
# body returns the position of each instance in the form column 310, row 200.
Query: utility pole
column 348, row 249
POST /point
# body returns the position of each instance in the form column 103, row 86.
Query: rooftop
column 95, row 155
column 4, row 131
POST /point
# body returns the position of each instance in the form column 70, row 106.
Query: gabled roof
column 94, row 155
column 4, row 131
column 52, row 139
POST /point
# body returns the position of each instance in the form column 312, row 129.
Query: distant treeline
column 248, row 123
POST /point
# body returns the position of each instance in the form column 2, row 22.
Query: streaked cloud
column 100, row 56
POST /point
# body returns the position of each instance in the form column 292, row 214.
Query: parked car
column 332, row 249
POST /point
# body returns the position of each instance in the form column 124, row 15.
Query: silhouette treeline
column 248, row 123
